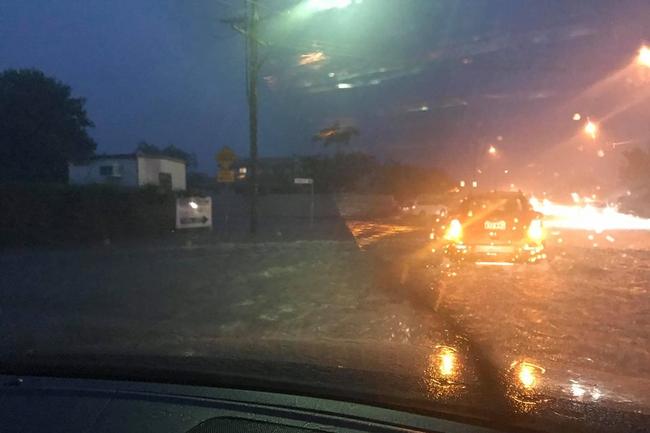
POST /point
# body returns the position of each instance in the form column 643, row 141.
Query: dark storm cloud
column 168, row 71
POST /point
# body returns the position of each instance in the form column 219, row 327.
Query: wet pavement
column 129, row 299
column 575, row 326
column 579, row 320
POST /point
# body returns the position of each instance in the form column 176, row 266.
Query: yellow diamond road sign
column 225, row 158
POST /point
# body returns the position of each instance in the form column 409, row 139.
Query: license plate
column 494, row 249
column 495, row 225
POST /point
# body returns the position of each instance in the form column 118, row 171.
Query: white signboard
column 303, row 181
column 193, row 212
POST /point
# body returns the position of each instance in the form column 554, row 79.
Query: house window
column 110, row 170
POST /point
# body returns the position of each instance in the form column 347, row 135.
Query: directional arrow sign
column 194, row 220
column 193, row 212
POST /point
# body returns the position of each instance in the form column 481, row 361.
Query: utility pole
column 252, row 70
column 248, row 26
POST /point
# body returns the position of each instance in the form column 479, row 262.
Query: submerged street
column 581, row 315
column 577, row 321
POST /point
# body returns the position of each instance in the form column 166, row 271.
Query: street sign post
column 308, row 181
column 226, row 176
column 225, row 159
column 194, row 212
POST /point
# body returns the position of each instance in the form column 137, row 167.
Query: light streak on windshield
column 587, row 216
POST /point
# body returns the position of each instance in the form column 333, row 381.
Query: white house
column 130, row 170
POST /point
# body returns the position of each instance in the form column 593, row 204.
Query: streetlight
column 591, row 129
column 643, row 58
column 492, row 150
column 323, row 5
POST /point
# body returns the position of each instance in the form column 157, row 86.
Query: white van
column 426, row 205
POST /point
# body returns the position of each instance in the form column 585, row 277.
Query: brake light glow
column 454, row 232
column 536, row 231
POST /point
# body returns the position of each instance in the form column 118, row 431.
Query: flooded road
column 579, row 320
column 573, row 327
column 582, row 316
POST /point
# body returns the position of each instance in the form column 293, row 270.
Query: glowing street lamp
column 643, row 58
column 591, row 129
column 323, row 5
column 492, row 150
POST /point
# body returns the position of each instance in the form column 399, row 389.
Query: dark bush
column 42, row 214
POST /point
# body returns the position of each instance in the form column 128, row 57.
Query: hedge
column 37, row 214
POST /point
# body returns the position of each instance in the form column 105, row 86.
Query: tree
column 354, row 169
column 170, row 150
column 407, row 181
column 42, row 127
column 357, row 171
column 635, row 172
column 147, row 148
column 341, row 172
column 635, row 177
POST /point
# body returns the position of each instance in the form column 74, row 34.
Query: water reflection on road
column 445, row 374
column 369, row 232
column 524, row 386
column 581, row 315
column 450, row 374
column 574, row 326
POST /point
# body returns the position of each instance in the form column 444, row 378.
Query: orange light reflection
column 367, row 233
column 585, row 216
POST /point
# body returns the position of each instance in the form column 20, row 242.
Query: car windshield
column 268, row 182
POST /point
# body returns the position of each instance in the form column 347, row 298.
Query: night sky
column 426, row 81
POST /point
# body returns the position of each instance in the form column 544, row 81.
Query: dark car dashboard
column 45, row 404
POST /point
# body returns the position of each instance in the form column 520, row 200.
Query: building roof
column 130, row 156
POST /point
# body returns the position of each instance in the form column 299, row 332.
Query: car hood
column 440, row 380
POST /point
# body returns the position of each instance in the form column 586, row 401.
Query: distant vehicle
column 599, row 204
column 492, row 227
column 425, row 206
column 406, row 207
